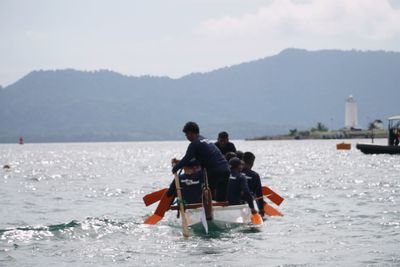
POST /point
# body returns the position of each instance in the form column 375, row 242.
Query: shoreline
column 338, row 134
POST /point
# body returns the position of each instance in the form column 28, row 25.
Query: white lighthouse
column 351, row 120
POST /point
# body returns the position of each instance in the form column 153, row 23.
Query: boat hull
column 378, row 149
column 222, row 216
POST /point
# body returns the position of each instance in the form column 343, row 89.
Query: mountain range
column 293, row 89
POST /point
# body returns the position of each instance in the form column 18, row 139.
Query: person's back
column 238, row 190
column 253, row 180
column 191, row 186
column 237, row 186
column 208, row 154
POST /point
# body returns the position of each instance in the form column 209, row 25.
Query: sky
column 177, row 37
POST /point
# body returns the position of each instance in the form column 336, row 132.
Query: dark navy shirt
column 229, row 147
column 206, row 153
column 238, row 190
column 190, row 187
column 254, row 183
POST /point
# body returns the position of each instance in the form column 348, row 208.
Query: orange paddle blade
column 162, row 207
column 274, row 197
column 154, row 197
column 153, row 219
column 269, row 210
column 256, row 219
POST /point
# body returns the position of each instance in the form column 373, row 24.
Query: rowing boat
column 214, row 215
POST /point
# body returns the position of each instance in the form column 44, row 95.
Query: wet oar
column 154, row 197
column 185, row 227
column 162, row 207
column 206, row 198
column 270, row 211
column 274, row 197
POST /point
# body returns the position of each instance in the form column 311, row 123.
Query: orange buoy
column 343, row 146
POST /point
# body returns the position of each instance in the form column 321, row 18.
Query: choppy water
column 81, row 205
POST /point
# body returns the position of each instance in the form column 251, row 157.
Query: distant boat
column 393, row 140
column 378, row 149
column 21, row 140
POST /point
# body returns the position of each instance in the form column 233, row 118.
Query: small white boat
column 209, row 215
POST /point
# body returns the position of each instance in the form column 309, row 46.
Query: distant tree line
column 320, row 127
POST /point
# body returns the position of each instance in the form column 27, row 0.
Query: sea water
column 80, row 204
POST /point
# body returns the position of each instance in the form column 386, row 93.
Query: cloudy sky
column 177, row 37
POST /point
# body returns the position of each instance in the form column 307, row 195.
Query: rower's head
column 248, row 159
column 192, row 167
column 239, row 154
column 191, row 130
column 236, row 164
column 223, row 138
column 230, row 155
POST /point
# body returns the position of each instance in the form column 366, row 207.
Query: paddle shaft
column 206, row 198
column 185, row 227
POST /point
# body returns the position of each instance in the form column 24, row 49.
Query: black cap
column 223, row 135
column 230, row 155
column 239, row 154
column 235, row 162
column 248, row 157
column 193, row 162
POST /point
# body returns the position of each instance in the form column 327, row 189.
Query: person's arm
column 172, row 189
column 233, row 147
column 190, row 152
column 246, row 192
column 259, row 195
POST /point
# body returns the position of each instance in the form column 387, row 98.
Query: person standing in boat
column 396, row 137
column 238, row 190
column 253, row 180
column 191, row 183
column 223, row 143
column 210, row 158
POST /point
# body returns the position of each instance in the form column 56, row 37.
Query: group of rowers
column 229, row 172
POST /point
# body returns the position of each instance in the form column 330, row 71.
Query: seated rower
column 253, row 180
column 191, row 183
column 238, row 190
column 223, row 143
column 239, row 154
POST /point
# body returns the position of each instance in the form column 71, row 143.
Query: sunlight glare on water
column 81, row 204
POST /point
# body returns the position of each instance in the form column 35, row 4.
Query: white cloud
column 178, row 38
column 341, row 23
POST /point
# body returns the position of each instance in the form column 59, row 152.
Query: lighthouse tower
column 351, row 120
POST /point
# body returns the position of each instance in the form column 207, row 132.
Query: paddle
column 162, row 207
column 185, row 228
column 274, row 197
column 154, row 197
column 269, row 210
column 256, row 217
column 206, row 198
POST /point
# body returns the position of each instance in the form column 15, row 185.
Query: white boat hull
column 238, row 214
